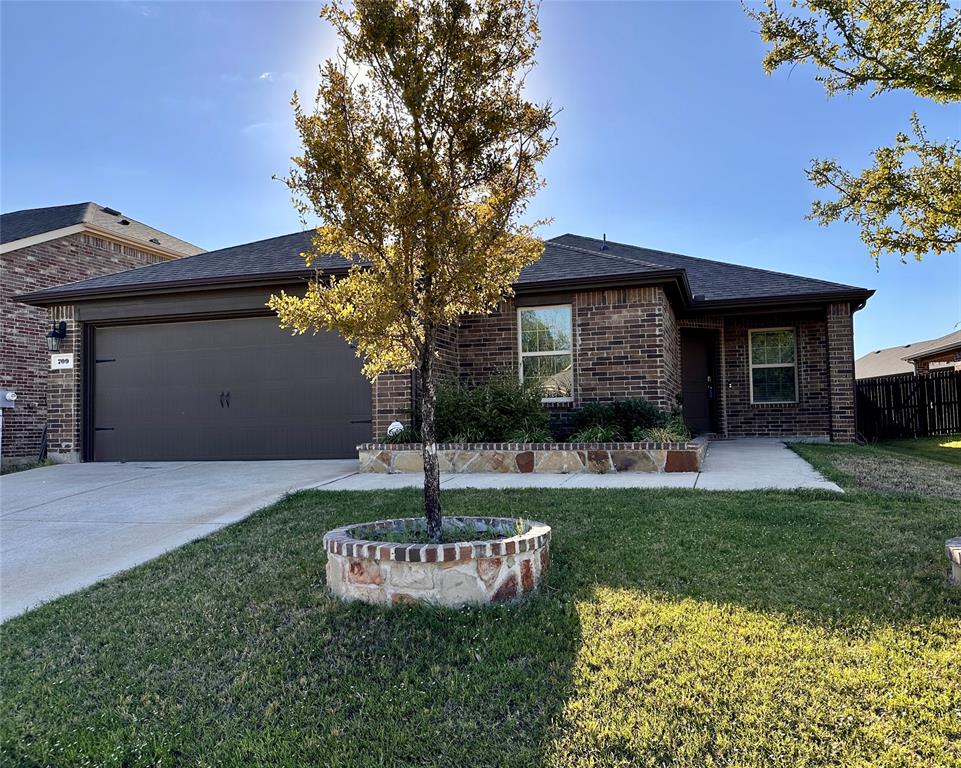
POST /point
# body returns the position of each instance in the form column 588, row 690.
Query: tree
column 909, row 201
column 420, row 157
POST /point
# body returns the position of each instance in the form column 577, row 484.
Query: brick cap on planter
column 341, row 541
column 691, row 444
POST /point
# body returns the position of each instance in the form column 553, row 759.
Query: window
column 546, row 349
column 773, row 366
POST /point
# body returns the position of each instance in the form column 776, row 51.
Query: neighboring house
column 43, row 247
column 182, row 360
column 917, row 357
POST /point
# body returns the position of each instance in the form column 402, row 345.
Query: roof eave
column 857, row 296
column 54, row 296
column 934, row 351
column 677, row 277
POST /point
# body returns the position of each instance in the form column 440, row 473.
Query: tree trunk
column 428, row 437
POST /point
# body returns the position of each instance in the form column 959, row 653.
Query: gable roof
column 569, row 261
column 894, row 360
column 21, row 228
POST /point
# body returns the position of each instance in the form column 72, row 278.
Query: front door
column 698, row 379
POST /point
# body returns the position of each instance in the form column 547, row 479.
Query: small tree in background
column 420, row 157
column 909, row 201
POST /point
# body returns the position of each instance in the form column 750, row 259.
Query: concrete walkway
column 65, row 527
column 730, row 465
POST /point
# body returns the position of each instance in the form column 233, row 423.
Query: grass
column 878, row 468
column 946, row 448
column 9, row 469
column 677, row 628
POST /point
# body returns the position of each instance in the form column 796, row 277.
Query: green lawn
column 11, row 468
column 677, row 628
column 946, row 448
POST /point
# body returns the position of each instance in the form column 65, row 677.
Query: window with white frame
column 773, row 361
column 546, row 349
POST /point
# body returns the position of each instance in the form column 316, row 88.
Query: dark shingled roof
column 714, row 280
column 568, row 260
column 19, row 225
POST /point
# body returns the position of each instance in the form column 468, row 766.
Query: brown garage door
column 225, row 389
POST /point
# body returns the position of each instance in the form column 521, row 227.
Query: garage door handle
column 361, row 421
column 228, row 399
column 221, row 399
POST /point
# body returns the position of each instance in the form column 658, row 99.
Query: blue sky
column 671, row 135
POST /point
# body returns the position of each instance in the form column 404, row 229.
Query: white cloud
column 266, row 76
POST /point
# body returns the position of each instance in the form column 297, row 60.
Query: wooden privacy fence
column 908, row 405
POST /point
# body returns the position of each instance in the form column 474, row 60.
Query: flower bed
column 538, row 457
column 463, row 573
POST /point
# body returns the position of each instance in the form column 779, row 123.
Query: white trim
column 77, row 229
column 521, row 354
column 43, row 237
column 751, row 366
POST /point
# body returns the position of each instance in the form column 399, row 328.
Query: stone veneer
column 952, row 548
column 555, row 458
column 457, row 574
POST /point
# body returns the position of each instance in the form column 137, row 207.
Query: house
column 917, row 357
column 182, row 360
column 44, row 247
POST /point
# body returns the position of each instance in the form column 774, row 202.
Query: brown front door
column 225, row 389
column 698, row 379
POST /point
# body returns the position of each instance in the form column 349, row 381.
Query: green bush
column 596, row 434
column 500, row 410
column 406, row 435
column 622, row 416
column 673, row 431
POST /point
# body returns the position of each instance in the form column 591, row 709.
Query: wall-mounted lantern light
column 57, row 334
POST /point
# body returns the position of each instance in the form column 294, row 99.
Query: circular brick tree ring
column 463, row 573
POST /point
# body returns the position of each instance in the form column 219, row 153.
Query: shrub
column 499, row 410
column 406, row 435
column 673, row 431
column 537, row 435
column 623, row 416
column 596, row 434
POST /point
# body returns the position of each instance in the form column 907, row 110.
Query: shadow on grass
column 674, row 627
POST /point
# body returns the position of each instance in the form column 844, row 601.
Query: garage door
column 225, row 389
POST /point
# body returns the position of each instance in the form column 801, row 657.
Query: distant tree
column 420, row 157
column 909, row 201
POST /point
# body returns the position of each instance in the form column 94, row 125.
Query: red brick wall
column 840, row 333
column 24, row 359
column 64, row 392
column 392, row 401
column 487, row 344
column 626, row 345
column 811, row 415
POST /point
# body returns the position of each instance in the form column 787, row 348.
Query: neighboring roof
column 894, row 360
column 568, row 261
column 20, row 228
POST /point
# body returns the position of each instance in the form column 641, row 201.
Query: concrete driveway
column 65, row 527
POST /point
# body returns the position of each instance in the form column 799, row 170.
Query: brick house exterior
column 637, row 320
column 627, row 345
column 51, row 251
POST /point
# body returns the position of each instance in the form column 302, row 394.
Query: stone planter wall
column 538, row 457
column 465, row 573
